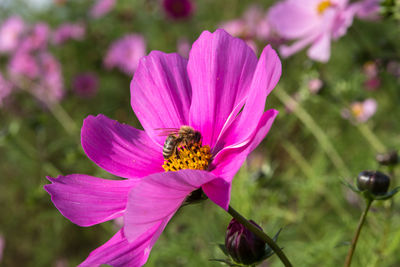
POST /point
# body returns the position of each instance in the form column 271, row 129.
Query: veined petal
column 266, row 76
column 86, row 200
column 157, row 197
column 119, row 148
column 161, row 93
column 118, row 252
column 229, row 160
column 220, row 69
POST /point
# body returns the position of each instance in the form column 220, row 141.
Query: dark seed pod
column 242, row 245
column 390, row 158
column 375, row 182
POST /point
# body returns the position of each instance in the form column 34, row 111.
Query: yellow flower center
column 323, row 5
column 357, row 109
column 195, row 157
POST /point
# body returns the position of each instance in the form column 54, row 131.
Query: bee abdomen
column 169, row 146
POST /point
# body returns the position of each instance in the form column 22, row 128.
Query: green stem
column 371, row 138
column 357, row 234
column 63, row 118
column 271, row 243
column 319, row 134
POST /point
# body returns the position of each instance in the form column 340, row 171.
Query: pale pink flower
column 125, row 53
column 36, row 38
column 101, row 8
column 314, row 85
column 50, row 86
column 313, row 23
column 360, row 111
column 252, row 25
column 10, row 32
column 68, row 31
column 23, row 64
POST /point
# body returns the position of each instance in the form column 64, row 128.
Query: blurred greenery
column 296, row 186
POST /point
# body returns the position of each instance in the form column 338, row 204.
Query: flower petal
column 293, row 19
column 229, row 160
column 219, row 191
column 266, row 76
column 119, row 148
column 119, row 252
column 161, row 93
column 158, row 197
column 321, row 48
column 220, row 69
column 86, row 200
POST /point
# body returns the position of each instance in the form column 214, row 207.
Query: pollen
column 195, row 157
column 323, row 5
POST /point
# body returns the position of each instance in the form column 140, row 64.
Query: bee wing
column 167, row 131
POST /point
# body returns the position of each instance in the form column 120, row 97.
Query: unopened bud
column 242, row 245
column 375, row 182
column 390, row 158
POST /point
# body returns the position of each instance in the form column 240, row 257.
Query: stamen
column 323, row 6
column 195, row 157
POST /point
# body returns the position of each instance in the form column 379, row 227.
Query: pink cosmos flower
column 314, row 85
column 125, row 53
column 311, row 22
column 221, row 92
column 178, row 9
column 24, row 64
column 253, row 25
column 5, row 89
column 36, row 38
column 50, row 87
column 101, row 8
column 360, row 111
column 10, row 32
column 68, row 31
column 85, row 85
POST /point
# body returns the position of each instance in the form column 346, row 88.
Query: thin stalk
column 271, row 243
column 63, row 118
column 371, row 138
column 357, row 234
column 318, row 133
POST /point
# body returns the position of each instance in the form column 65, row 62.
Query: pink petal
column 321, row 48
column 266, row 76
column 229, row 160
column 158, row 197
column 87, row 200
column 119, row 148
column 219, row 191
column 220, row 69
column 287, row 51
column 292, row 19
column 119, row 252
column 161, row 93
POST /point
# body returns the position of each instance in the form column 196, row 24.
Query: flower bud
column 242, row 245
column 390, row 158
column 374, row 182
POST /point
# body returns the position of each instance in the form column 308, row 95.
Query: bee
column 184, row 136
